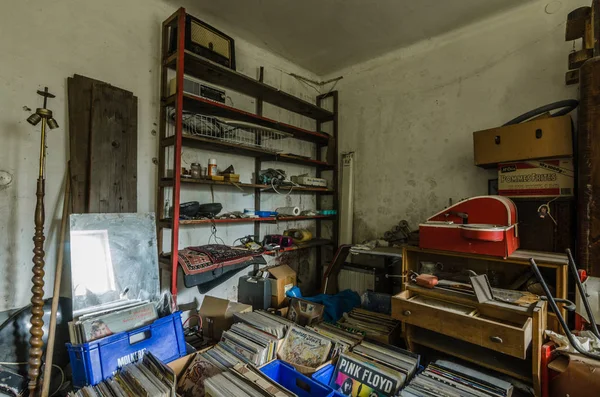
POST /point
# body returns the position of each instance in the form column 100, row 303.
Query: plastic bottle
column 212, row 167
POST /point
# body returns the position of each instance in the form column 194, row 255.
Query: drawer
column 463, row 322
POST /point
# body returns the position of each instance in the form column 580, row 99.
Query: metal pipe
column 583, row 293
column 574, row 342
column 42, row 148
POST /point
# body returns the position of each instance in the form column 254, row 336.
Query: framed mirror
column 114, row 261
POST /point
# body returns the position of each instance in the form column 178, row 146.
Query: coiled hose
column 566, row 106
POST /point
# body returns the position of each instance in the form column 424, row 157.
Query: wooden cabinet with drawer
column 464, row 322
column 511, row 334
column 502, row 272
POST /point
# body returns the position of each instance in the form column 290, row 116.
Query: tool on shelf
column 277, row 239
column 250, row 243
column 298, row 235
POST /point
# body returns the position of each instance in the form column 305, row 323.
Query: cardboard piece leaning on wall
column 217, row 314
column 283, row 278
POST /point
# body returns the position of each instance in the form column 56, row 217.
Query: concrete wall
column 410, row 114
column 43, row 43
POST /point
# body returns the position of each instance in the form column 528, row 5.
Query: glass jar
column 196, row 170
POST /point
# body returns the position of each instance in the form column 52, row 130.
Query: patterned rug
column 204, row 258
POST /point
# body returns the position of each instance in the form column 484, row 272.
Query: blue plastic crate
column 284, row 374
column 95, row 361
column 323, row 376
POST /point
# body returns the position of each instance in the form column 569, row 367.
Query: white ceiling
column 325, row 36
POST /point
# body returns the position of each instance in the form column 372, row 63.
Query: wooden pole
column 55, row 297
column 37, row 300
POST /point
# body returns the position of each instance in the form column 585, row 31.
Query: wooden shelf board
column 379, row 251
column 211, row 72
column 319, row 242
column 190, row 181
column 164, row 260
column 225, row 147
column 211, row 108
column 512, row 366
column 519, row 257
column 167, row 223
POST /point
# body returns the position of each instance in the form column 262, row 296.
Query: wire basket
column 230, row 131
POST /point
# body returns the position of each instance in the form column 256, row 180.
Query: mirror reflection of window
column 92, row 268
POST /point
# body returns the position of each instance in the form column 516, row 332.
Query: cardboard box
column 537, row 178
column 305, row 312
column 283, row 278
column 537, row 139
column 577, row 376
column 217, row 314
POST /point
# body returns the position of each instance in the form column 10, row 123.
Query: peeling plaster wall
column 410, row 115
column 43, row 43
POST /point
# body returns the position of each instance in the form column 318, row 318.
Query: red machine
column 484, row 225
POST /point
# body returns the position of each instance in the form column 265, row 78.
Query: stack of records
column 264, row 321
column 207, row 375
column 390, row 356
column 252, row 345
column 202, row 367
column 97, row 325
column 343, row 340
column 371, row 324
column 148, row 377
column 444, row 378
column 222, row 357
column 355, row 375
column 243, row 380
column 305, row 349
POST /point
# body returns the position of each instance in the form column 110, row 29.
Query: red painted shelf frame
column 185, row 62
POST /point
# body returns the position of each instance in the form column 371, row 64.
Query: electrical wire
column 199, row 317
column 213, row 234
column 311, row 83
column 62, row 374
column 277, row 191
column 294, row 184
column 331, row 89
column 306, row 83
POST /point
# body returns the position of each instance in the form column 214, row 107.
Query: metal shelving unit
column 180, row 105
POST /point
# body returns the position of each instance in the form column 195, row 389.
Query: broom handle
column 55, row 297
